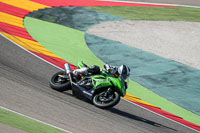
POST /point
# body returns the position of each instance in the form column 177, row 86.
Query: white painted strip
column 34, row 119
column 160, row 115
column 151, row 3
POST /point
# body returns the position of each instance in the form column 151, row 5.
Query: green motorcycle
column 103, row 89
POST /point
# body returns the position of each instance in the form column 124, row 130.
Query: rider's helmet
column 124, row 71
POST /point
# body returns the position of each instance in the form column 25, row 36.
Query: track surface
column 24, row 88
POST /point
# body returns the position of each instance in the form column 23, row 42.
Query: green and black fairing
column 103, row 89
column 107, row 80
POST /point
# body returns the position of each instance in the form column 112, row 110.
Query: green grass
column 63, row 41
column 23, row 123
column 153, row 13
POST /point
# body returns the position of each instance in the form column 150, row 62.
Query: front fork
column 108, row 92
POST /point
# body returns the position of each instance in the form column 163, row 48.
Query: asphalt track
column 24, row 88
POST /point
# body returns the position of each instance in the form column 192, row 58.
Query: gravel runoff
column 177, row 41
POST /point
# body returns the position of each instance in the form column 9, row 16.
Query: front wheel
column 106, row 100
column 59, row 83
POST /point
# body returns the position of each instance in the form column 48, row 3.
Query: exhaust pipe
column 67, row 68
column 68, row 71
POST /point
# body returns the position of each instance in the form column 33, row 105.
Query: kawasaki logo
column 100, row 80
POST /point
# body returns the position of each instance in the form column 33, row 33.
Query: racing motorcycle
column 103, row 90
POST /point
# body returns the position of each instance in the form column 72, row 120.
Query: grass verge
column 26, row 124
column 153, row 13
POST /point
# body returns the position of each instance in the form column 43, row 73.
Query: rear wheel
column 59, row 83
column 106, row 99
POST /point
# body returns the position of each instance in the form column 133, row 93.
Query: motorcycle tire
column 110, row 104
column 59, row 86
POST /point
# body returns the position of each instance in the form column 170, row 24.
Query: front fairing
column 106, row 80
column 119, row 85
column 100, row 81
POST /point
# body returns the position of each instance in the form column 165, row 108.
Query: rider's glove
column 110, row 69
column 107, row 67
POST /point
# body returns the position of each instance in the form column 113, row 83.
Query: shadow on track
column 124, row 114
column 137, row 118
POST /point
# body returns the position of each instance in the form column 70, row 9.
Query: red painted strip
column 14, row 30
column 55, row 3
column 92, row 3
column 171, row 116
column 13, row 10
column 58, row 62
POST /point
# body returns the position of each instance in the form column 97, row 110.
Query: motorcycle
column 103, row 90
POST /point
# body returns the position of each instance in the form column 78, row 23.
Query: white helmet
column 124, row 71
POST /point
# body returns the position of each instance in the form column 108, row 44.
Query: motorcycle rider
column 87, row 69
column 123, row 71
